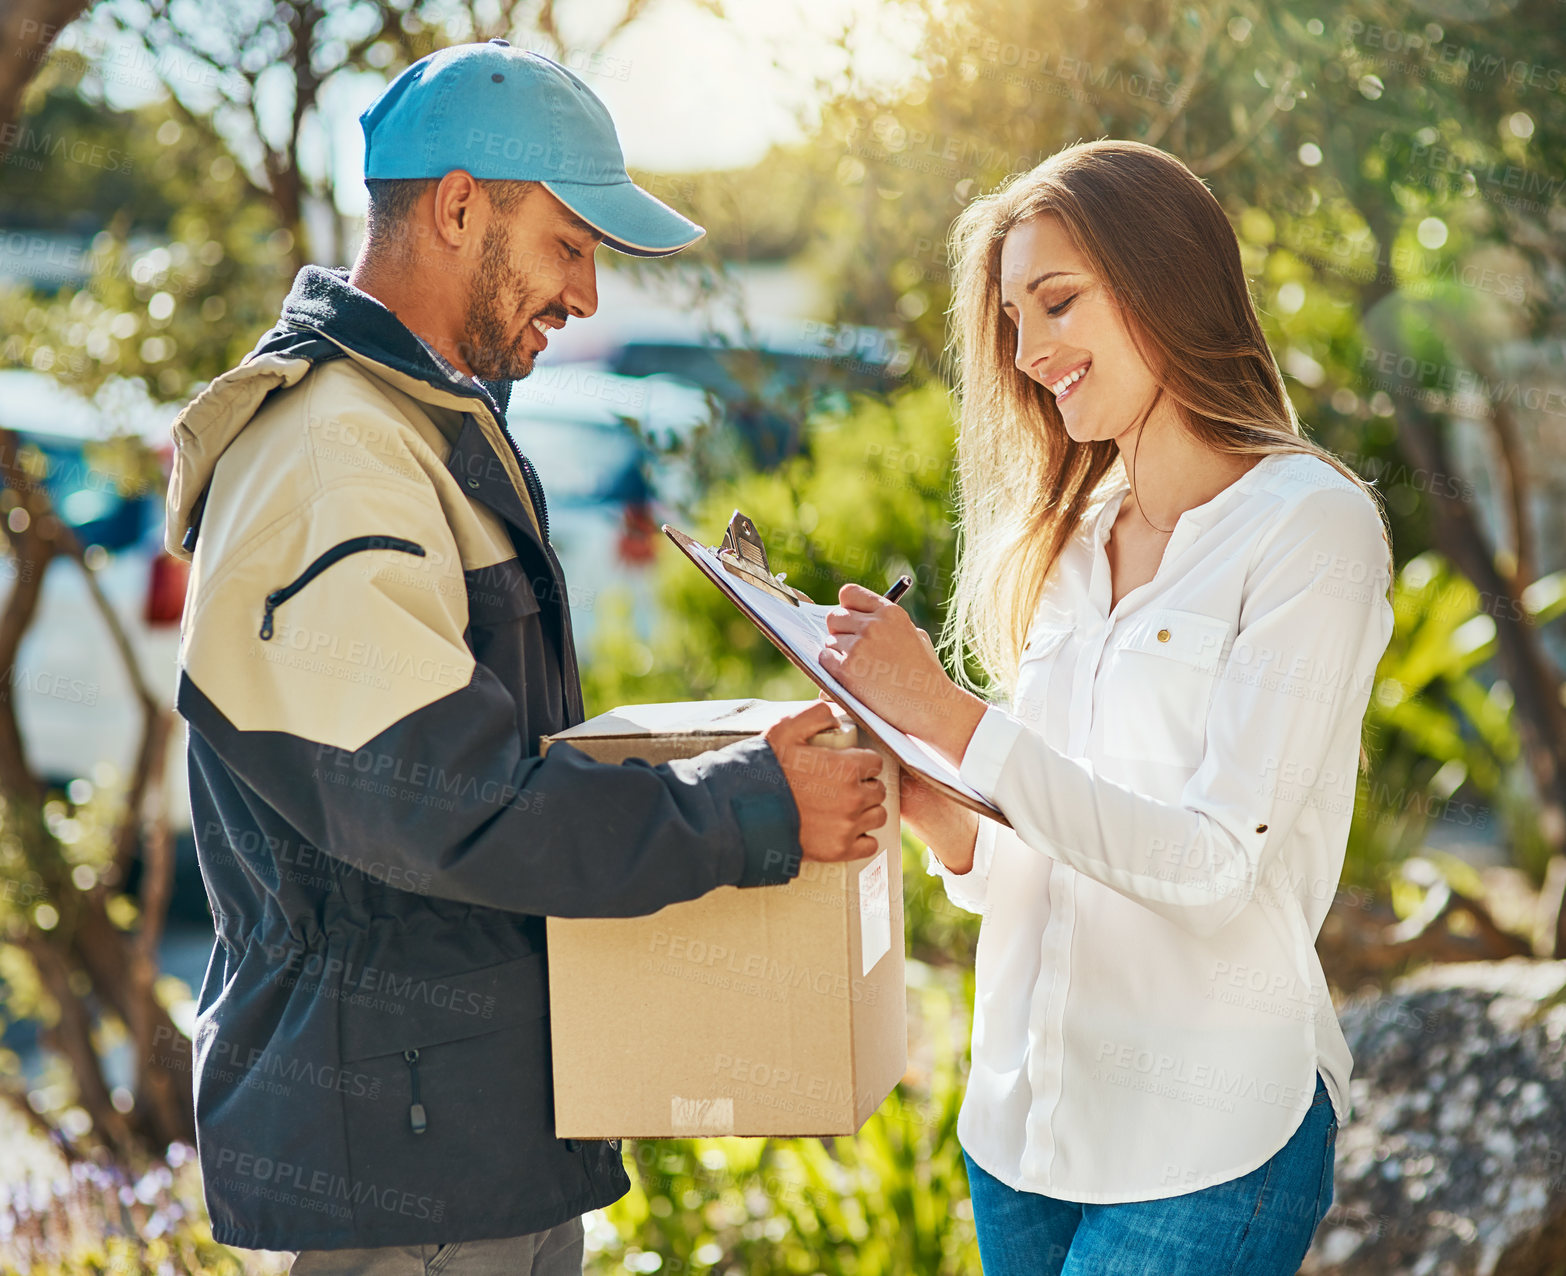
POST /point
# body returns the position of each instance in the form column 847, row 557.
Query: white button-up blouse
column 1180, row 776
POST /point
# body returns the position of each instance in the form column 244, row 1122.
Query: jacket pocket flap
column 499, row 593
column 399, row 1012
column 1185, row 636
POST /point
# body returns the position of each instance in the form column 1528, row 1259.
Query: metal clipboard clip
column 743, row 554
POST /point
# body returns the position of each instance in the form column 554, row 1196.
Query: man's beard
column 489, row 353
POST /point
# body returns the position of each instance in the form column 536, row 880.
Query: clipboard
column 741, row 559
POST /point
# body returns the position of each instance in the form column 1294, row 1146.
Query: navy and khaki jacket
column 375, row 637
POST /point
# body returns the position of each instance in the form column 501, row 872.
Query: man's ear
column 456, row 197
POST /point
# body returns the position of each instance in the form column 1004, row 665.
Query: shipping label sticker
column 701, row 1116
column 875, row 912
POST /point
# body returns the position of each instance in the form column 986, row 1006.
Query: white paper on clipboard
column 803, row 630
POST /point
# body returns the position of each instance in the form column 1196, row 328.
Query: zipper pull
column 266, row 617
column 415, row 1109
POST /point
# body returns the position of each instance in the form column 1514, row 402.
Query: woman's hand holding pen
column 878, row 654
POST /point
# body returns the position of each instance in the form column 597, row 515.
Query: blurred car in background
column 600, row 442
column 611, row 436
column 771, row 382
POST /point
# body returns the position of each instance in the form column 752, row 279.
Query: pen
column 899, row 587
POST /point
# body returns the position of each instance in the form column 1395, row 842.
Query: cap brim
column 630, row 220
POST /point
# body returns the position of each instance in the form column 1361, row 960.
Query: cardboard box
column 773, row 1010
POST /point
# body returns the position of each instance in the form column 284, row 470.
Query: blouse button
column 1261, row 828
column 1163, row 635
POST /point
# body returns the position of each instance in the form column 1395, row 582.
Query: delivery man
column 376, row 636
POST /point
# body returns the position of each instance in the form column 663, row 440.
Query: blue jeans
column 1258, row 1225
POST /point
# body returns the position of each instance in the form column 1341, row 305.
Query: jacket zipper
column 353, row 545
column 416, row 1117
column 535, row 489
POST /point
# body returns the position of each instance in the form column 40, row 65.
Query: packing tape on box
column 875, row 913
column 701, row 1116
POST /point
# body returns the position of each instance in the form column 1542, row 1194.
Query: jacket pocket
column 1159, row 685
column 499, row 594
column 457, row 1092
column 338, row 552
column 397, row 1011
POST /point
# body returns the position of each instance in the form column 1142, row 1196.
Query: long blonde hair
column 1160, row 243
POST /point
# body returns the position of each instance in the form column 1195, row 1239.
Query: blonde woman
column 1185, row 600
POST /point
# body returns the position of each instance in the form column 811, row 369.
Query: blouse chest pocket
column 1158, row 684
column 1044, row 642
column 1035, row 667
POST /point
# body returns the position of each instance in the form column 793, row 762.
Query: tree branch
column 1209, row 164
column 1188, row 82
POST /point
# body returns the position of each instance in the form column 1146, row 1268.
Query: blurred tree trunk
column 27, row 29
column 1500, row 573
column 89, row 966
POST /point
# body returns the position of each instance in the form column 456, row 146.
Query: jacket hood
column 321, row 303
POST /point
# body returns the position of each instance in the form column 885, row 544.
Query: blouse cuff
column 988, row 750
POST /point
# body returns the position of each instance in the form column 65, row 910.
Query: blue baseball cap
column 505, row 114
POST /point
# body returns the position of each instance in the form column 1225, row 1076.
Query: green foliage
column 765, row 213
column 1440, row 740
column 183, row 263
column 939, row 933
